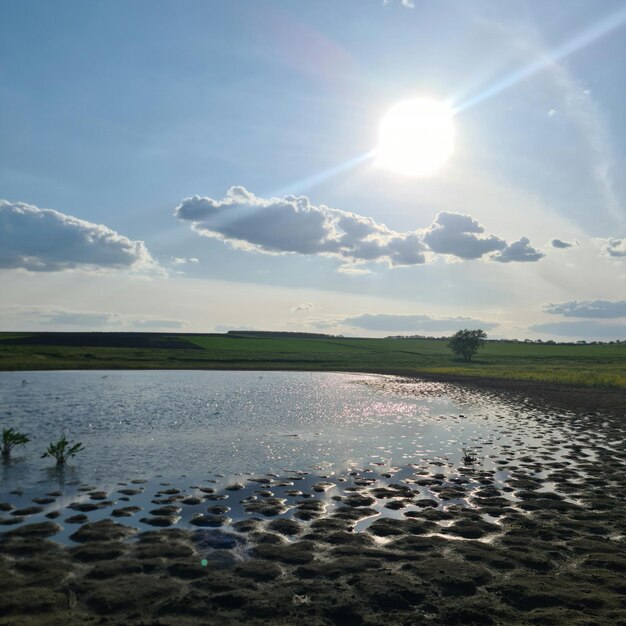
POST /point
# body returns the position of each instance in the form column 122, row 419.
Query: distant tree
column 465, row 343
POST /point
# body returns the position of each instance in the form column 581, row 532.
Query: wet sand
column 535, row 534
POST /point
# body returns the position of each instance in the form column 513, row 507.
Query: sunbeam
column 597, row 31
column 305, row 184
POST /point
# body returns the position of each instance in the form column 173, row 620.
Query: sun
column 416, row 137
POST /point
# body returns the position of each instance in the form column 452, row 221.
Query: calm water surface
column 137, row 424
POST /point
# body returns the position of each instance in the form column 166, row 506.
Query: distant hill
column 278, row 333
column 102, row 340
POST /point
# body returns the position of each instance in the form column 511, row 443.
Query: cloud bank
column 588, row 329
column 50, row 316
column 414, row 323
column 291, row 224
column 44, row 240
column 588, row 308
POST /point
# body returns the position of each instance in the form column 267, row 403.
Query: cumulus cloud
column 616, row 247
column 519, row 252
column 44, row 240
column 414, row 323
column 586, row 330
column 292, row 224
column 460, row 235
column 558, row 243
column 588, row 308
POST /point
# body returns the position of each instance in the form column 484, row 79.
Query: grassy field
column 584, row 365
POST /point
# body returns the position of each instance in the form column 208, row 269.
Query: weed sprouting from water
column 469, row 458
column 62, row 450
column 10, row 439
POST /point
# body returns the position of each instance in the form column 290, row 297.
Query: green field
column 579, row 365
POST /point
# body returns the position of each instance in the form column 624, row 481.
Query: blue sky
column 113, row 114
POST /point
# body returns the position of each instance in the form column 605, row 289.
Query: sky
column 206, row 166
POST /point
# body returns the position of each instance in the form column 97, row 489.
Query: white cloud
column 181, row 260
column 293, row 225
column 409, row 4
column 552, row 112
column 44, row 240
column 307, row 306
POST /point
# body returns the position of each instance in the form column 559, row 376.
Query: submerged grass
column 577, row 365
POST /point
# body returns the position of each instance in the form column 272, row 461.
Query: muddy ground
column 535, row 536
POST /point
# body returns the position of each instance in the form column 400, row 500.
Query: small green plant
column 62, row 450
column 10, row 439
column 469, row 458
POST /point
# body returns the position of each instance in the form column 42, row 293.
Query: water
column 183, row 438
column 141, row 424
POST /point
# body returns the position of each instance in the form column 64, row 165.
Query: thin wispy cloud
column 577, row 102
column 590, row 119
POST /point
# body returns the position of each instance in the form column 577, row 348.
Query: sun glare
column 416, row 137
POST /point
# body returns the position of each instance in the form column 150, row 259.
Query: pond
column 211, row 448
column 146, row 423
